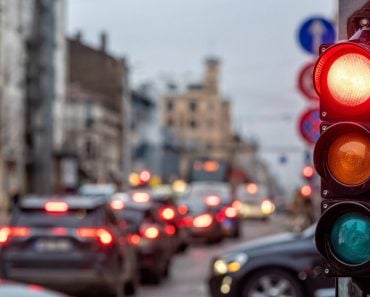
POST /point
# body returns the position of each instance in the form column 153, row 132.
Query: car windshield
column 251, row 193
column 97, row 190
column 42, row 218
column 131, row 216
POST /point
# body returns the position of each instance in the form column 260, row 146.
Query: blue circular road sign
column 309, row 125
column 314, row 32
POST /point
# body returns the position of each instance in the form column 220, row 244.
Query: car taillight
column 117, row 204
column 104, row 236
column 134, row 239
column 56, row 206
column 150, row 232
column 6, row 233
column 212, row 200
column 237, row 204
column 182, row 209
column 203, row 221
column 141, row 197
column 170, row 230
column 231, row 212
column 167, row 213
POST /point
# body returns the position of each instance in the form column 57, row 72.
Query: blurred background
column 196, row 98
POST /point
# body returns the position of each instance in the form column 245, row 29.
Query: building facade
column 95, row 117
column 198, row 121
column 17, row 26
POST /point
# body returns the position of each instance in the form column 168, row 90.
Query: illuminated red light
column 231, row 212
column 134, row 239
column 182, row 209
column 117, row 204
column 59, row 231
column 306, row 191
column 342, row 78
column 103, row 235
column 170, row 230
column 151, row 232
column 210, row 166
column 252, row 189
column 145, row 176
column 6, row 233
column 167, row 213
column 203, row 221
column 212, row 200
column 141, row 197
column 308, row 171
column 56, row 206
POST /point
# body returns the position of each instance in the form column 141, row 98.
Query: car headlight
column 229, row 263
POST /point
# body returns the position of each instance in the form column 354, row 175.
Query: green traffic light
column 350, row 238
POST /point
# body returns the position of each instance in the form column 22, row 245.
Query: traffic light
column 342, row 156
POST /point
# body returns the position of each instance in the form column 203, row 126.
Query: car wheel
column 272, row 283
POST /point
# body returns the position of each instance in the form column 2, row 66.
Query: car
column 151, row 236
column 286, row 264
column 12, row 289
column 172, row 214
column 218, row 199
column 253, row 201
column 71, row 244
column 98, row 190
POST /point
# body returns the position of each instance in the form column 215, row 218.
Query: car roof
column 74, row 202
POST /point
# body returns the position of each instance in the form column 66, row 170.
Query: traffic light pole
column 344, row 286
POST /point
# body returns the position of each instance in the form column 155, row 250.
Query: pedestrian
column 14, row 197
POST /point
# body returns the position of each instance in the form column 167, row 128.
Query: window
column 169, row 123
column 193, row 124
column 193, row 106
column 170, row 105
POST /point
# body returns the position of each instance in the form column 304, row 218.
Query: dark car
column 218, row 198
column 286, row 264
column 73, row 244
column 202, row 222
column 151, row 236
column 172, row 214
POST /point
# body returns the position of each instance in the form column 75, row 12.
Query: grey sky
column 256, row 41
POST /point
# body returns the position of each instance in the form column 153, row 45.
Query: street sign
column 305, row 82
column 309, row 125
column 314, row 32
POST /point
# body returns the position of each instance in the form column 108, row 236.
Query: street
column 189, row 270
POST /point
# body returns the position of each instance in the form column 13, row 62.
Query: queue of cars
column 104, row 241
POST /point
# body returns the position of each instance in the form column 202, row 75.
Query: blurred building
column 95, row 117
column 18, row 25
column 198, row 121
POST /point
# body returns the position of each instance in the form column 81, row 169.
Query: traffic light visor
column 342, row 75
column 350, row 238
column 349, row 158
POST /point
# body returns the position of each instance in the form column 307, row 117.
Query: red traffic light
column 342, row 80
column 306, row 191
column 308, row 171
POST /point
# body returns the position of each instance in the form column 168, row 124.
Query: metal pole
column 41, row 98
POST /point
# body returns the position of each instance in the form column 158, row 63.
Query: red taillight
column 134, row 239
column 150, row 232
column 231, row 212
column 170, row 230
column 203, row 221
column 56, row 206
column 237, row 204
column 182, row 209
column 213, row 200
column 6, row 233
column 167, row 213
column 141, row 197
column 36, row 288
column 102, row 234
column 59, row 231
column 117, row 204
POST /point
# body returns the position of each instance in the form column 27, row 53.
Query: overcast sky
column 256, row 41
